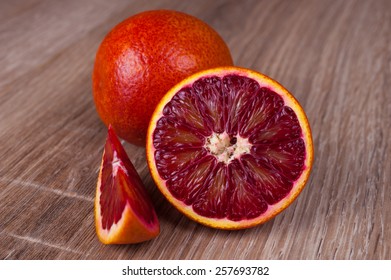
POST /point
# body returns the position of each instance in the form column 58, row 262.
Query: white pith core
column 226, row 148
column 117, row 164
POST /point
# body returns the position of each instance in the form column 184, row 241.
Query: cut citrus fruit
column 229, row 147
column 123, row 210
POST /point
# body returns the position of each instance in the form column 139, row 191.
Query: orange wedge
column 123, row 210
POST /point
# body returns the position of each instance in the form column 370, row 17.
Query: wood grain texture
column 334, row 56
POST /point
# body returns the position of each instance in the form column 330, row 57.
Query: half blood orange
column 123, row 210
column 229, row 147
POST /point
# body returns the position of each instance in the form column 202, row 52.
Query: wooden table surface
column 335, row 56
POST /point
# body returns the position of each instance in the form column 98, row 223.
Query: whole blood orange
column 123, row 210
column 229, row 147
column 141, row 58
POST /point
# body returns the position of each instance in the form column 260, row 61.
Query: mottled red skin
column 142, row 58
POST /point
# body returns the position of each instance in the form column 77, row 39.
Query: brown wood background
column 335, row 56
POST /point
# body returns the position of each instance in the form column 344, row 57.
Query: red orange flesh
column 229, row 147
column 123, row 210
